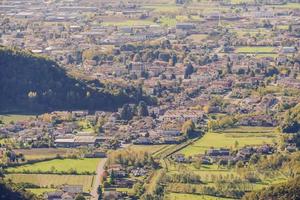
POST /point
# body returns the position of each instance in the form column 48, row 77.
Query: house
column 218, row 152
column 185, row 26
column 179, row 158
column 143, row 140
column 123, row 183
column 112, row 195
column 139, row 172
column 288, row 50
column 72, row 189
column 56, row 195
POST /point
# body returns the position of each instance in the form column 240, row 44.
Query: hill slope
column 285, row 191
column 31, row 83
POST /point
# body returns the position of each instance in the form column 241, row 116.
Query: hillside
column 289, row 190
column 30, row 83
column 9, row 191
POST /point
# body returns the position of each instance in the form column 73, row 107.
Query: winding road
column 99, row 171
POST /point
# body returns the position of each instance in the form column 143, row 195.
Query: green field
column 252, row 50
column 60, row 165
column 178, row 196
column 129, row 23
column 46, row 180
column 227, row 139
column 14, row 118
column 40, row 191
column 152, row 149
column 42, row 153
column 163, row 8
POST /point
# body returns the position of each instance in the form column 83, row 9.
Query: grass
column 251, row 49
column 40, row 191
column 152, row 149
column 197, row 37
column 47, row 180
column 14, row 118
column 129, row 23
column 60, row 165
column 227, row 139
column 163, row 8
column 287, row 6
column 42, row 153
column 181, row 196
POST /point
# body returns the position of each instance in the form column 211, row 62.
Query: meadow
column 7, row 118
column 40, row 191
column 58, row 166
column 181, row 196
column 151, row 149
column 44, row 153
column 129, row 23
column 49, row 180
column 256, row 49
column 231, row 138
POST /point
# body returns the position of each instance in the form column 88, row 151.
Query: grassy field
column 287, row 6
column 42, row 153
column 45, row 180
column 180, row 196
column 40, row 191
column 14, row 118
column 251, row 50
column 129, row 23
column 152, row 149
column 163, row 8
column 60, row 165
column 228, row 138
column 197, row 37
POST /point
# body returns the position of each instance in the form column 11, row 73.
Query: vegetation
column 59, row 166
column 289, row 190
column 10, row 191
column 231, row 138
column 291, row 122
column 31, row 83
column 51, row 180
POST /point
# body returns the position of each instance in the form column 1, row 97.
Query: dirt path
column 99, row 171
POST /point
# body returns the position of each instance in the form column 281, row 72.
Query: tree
column 188, row 128
column 126, row 112
column 142, row 109
column 99, row 192
column 189, row 69
column 79, row 197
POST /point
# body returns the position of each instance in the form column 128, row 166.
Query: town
column 217, row 99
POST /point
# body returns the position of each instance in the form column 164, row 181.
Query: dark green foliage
column 189, row 69
column 142, row 109
column 99, row 192
column 126, row 112
column 291, row 122
column 9, row 191
column 289, row 190
column 31, row 83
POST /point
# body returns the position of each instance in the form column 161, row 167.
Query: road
column 99, row 171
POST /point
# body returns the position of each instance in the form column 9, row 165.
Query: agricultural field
column 43, row 153
column 14, row 118
column 254, row 50
column 152, row 149
column 181, row 196
column 40, row 191
column 163, row 8
column 232, row 138
column 48, row 180
column 197, row 38
column 59, row 166
column 128, row 23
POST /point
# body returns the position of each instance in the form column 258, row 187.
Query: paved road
column 99, row 171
